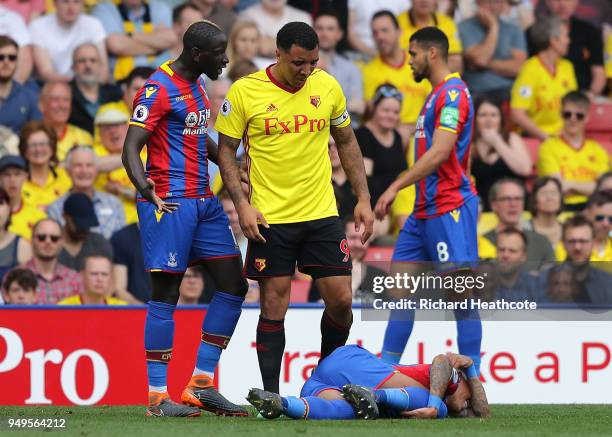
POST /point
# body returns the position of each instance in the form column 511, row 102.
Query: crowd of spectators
column 69, row 70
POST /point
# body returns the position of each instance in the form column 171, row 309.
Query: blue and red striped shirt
column 176, row 112
column 448, row 107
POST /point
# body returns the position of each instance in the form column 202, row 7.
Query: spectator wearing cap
column 132, row 282
column 348, row 75
column 270, row 16
column 13, row 175
column 56, row 106
column 19, row 103
column 81, row 167
column 88, row 91
column 46, row 180
column 13, row 249
column 19, row 287
column 13, row 26
column 571, row 157
column 79, row 240
column 97, row 274
column 55, row 281
column 112, row 125
column 507, row 200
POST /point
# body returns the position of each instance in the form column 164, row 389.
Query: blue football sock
column 469, row 335
column 219, row 324
column 315, row 408
column 159, row 333
column 397, row 334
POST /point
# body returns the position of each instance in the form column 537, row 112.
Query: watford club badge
column 260, row 264
column 315, row 101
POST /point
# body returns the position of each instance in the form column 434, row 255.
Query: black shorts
column 319, row 248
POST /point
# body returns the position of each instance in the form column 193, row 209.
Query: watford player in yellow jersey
column 285, row 115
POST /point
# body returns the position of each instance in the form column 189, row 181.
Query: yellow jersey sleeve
column 608, row 57
column 548, row 164
column 232, row 119
column 448, row 26
column 522, row 95
column 340, row 116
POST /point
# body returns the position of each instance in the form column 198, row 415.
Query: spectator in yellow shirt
column 608, row 61
column 13, row 174
column 56, row 105
column 391, row 66
column 422, row 14
column 599, row 212
column 113, row 125
column 542, row 81
column 97, row 274
column 46, row 181
column 575, row 160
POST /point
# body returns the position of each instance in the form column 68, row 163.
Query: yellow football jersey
column 585, row 164
column 538, row 91
column 76, row 300
column 73, row 136
column 24, row 219
column 119, row 175
column 42, row 196
column 441, row 21
column 285, row 133
column 378, row 72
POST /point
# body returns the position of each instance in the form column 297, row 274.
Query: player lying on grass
column 353, row 383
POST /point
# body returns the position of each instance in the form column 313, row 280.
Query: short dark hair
column 24, row 277
column 494, row 190
column 138, row 73
column 430, row 36
column 298, row 33
column 601, row 179
column 576, row 221
column 328, row 13
column 6, row 199
column 95, row 255
column 537, row 186
column 514, row 231
column 577, row 97
column 599, row 198
column 8, row 41
column 200, row 34
column 178, row 10
column 386, row 13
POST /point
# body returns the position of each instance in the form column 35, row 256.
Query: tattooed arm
column 352, row 163
column 439, row 376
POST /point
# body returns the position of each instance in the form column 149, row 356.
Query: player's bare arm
column 134, row 142
column 352, row 163
column 443, row 142
column 230, row 172
column 479, row 402
column 439, row 376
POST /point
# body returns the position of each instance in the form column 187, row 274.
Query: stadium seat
column 599, row 118
column 299, row 291
column 378, row 254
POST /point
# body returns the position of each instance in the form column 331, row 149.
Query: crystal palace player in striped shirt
column 181, row 222
column 442, row 227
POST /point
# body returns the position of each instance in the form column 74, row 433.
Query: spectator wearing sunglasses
column 19, row 103
column 12, row 25
column 13, row 249
column 384, row 156
column 55, row 281
column 572, row 158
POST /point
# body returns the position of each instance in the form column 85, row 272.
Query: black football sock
column 270, row 348
column 333, row 335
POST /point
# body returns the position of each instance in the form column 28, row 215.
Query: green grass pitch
column 507, row 420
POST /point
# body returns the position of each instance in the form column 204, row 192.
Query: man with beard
column 514, row 282
column 442, row 228
column 181, row 222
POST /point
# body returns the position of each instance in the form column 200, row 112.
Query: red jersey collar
column 279, row 84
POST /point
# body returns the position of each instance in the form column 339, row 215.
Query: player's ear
column 277, row 53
